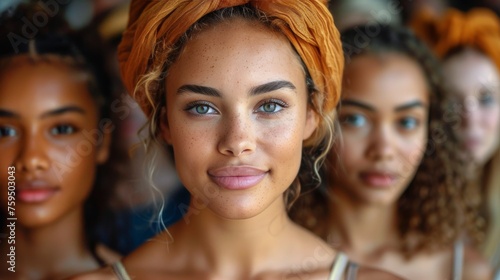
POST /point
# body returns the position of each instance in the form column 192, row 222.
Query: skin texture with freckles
column 236, row 106
column 237, row 134
column 44, row 114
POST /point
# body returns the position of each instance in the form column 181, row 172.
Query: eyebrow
column 69, row 109
column 349, row 102
column 272, row 86
column 63, row 110
column 8, row 114
column 199, row 89
column 264, row 88
column 407, row 106
column 410, row 105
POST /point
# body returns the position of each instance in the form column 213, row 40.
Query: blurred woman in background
column 469, row 44
column 56, row 131
column 391, row 198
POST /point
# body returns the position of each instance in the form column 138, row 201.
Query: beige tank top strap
column 339, row 266
column 120, row 271
column 458, row 260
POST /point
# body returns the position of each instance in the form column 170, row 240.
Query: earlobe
column 312, row 120
column 165, row 129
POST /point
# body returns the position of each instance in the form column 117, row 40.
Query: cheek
column 192, row 146
column 491, row 119
column 411, row 153
column 350, row 150
column 74, row 168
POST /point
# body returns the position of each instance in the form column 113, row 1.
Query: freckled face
column 44, row 113
column 236, row 118
column 383, row 115
column 475, row 81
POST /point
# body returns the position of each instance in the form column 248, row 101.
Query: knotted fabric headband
column 479, row 28
column 307, row 24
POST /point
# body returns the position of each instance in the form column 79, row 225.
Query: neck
column 364, row 230
column 233, row 247
column 58, row 248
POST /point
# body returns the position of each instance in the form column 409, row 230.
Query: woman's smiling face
column 48, row 121
column 236, row 117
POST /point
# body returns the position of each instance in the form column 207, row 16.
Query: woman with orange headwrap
column 243, row 92
column 469, row 45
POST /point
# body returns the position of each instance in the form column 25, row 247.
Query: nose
column 470, row 115
column 238, row 136
column 32, row 156
column 381, row 145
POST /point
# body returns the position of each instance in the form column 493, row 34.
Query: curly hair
column 479, row 30
column 432, row 204
column 152, row 85
column 82, row 53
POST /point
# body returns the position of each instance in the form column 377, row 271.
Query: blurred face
column 236, row 118
column 475, row 82
column 383, row 118
column 48, row 124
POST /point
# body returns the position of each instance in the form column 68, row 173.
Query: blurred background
column 109, row 18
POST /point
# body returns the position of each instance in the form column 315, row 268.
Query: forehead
column 34, row 87
column 469, row 71
column 239, row 50
column 389, row 78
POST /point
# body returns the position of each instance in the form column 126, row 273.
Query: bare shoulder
column 475, row 265
column 369, row 273
column 105, row 273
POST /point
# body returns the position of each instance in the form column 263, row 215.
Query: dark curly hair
column 433, row 205
column 82, row 52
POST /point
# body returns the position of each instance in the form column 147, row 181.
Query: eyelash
column 413, row 119
column 7, row 131
column 191, row 107
column 278, row 102
column 348, row 119
column 53, row 130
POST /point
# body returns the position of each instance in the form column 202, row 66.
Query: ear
column 165, row 129
column 103, row 147
column 312, row 120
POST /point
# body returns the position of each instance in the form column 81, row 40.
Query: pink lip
column 35, row 191
column 472, row 143
column 378, row 179
column 237, row 177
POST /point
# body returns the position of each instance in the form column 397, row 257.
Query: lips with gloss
column 237, row 177
column 472, row 143
column 35, row 191
column 378, row 179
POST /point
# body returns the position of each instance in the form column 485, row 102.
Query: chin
column 34, row 216
column 238, row 209
column 383, row 199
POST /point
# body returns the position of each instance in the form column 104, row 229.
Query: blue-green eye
column 270, row 107
column 356, row 120
column 486, row 99
column 201, row 109
column 409, row 123
column 7, row 131
column 63, row 129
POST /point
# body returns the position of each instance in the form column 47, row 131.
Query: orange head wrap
column 307, row 24
column 478, row 28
